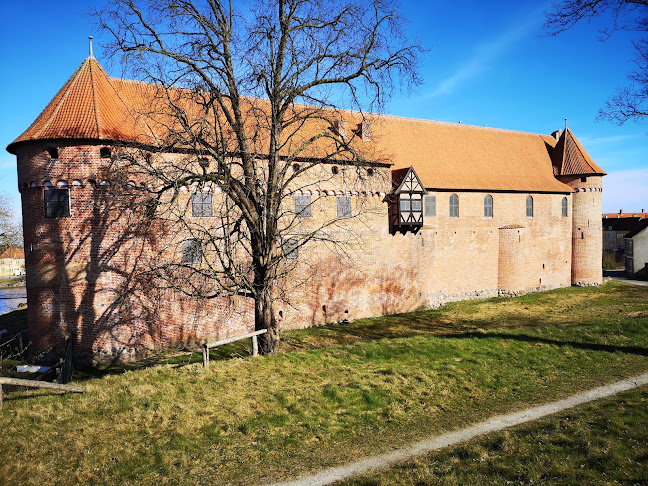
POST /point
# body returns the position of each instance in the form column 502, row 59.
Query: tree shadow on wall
column 88, row 272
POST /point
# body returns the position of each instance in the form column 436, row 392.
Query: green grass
column 604, row 442
column 333, row 394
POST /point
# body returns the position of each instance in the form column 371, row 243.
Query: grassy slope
column 605, row 442
column 335, row 394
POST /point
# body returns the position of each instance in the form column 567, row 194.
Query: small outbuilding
column 636, row 251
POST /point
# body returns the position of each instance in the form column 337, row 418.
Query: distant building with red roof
column 617, row 225
column 455, row 212
column 12, row 262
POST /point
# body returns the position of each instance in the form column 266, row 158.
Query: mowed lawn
column 334, row 394
column 604, row 442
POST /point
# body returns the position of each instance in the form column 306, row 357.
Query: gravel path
column 493, row 424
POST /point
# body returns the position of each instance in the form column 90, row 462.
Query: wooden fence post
column 255, row 345
column 0, row 396
column 205, row 353
column 21, row 349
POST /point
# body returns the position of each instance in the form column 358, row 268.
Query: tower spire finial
column 90, row 39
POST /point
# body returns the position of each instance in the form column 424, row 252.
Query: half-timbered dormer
column 407, row 201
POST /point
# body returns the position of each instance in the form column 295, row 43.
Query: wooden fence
column 255, row 345
column 38, row 384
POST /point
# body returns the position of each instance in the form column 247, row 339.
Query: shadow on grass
column 534, row 339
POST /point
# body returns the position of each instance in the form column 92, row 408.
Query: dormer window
column 104, row 153
column 53, row 153
column 408, row 210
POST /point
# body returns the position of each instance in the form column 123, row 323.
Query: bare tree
column 628, row 102
column 247, row 102
column 10, row 227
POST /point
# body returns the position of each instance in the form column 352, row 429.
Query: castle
column 450, row 212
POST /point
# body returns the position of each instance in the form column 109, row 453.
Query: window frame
column 529, row 206
column 429, row 210
column 453, row 206
column 47, row 203
column 564, row 207
column 198, row 208
column 488, row 206
column 303, row 209
column 191, row 251
column 344, row 206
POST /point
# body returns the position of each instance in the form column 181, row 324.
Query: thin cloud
column 589, row 141
column 486, row 53
column 627, row 190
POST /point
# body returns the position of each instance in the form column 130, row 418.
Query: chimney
column 620, row 211
column 556, row 134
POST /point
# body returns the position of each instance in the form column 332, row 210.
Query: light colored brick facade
column 82, row 278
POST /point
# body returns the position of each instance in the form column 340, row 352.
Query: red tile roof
column 570, row 158
column 625, row 215
column 88, row 106
column 13, row 253
column 445, row 156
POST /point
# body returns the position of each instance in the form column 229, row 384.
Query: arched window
column 488, row 206
column 529, row 207
column 564, row 207
column 454, row 206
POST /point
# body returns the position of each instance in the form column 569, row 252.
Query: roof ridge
column 385, row 115
column 94, row 101
column 578, row 146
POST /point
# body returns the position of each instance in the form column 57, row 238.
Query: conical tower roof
column 88, row 106
column 570, row 158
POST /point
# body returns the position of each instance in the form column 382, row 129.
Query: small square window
column 291, row 248
column 430, row 206
column 201, row 205
column 191, row 252
column 344, row 209
column 53, row 153
column 104, row 153
column 405, row 204
column 57, row 203
column 303, row 208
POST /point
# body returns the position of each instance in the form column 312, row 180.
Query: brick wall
column 587, row 228
column 84, row 278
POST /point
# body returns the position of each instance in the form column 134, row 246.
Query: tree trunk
column 264, row 315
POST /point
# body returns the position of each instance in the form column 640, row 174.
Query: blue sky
column 487, row 64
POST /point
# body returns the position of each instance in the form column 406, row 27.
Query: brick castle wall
column 83, row 278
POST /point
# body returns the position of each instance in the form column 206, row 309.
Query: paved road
column 499, row 422
column 621, row 277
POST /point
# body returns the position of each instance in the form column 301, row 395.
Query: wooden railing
column 255, row 345
column 38, row 384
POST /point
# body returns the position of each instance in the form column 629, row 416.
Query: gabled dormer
column 407, row 201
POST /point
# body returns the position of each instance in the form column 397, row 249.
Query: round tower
column 587, row 241
column 574, row 167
